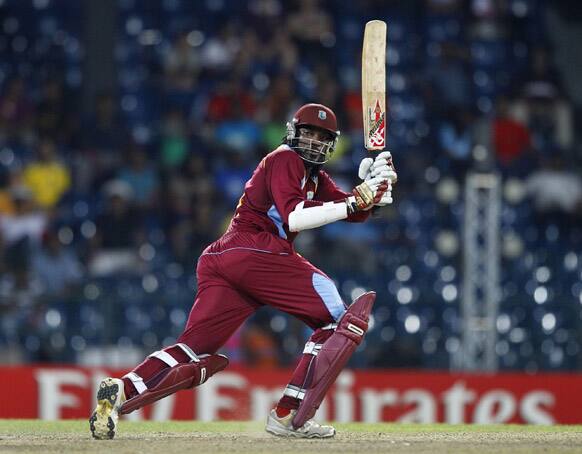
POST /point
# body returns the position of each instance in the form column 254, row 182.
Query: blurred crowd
column 136, row 185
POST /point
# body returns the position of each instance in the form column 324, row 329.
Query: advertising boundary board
column 64, row 392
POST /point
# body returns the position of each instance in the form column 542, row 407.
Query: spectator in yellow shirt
column 47, row 177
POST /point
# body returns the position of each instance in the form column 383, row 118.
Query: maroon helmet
column 313, row 117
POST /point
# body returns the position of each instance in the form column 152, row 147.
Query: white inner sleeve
column 309, row 218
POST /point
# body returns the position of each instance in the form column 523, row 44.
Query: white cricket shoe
column 283, row 427
column 103, row 421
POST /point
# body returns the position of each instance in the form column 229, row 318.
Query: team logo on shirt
column 309, row 195
column 322, row 115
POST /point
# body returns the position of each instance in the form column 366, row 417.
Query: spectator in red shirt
column 511, row 139
column 228, row 94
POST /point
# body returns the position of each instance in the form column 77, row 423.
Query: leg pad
column 181, row 376
column 334, row 355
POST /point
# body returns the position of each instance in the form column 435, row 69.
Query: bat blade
column 374, row 85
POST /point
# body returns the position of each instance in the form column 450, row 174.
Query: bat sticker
column 377, row 126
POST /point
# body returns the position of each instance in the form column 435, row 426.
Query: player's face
column 315, row 134
column 315, row 145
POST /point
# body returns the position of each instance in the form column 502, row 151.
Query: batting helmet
column 314, row 116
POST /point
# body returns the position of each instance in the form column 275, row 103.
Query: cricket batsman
column 254, row 264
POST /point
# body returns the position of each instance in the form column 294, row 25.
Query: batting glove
column 367, row 194
column 381, row 167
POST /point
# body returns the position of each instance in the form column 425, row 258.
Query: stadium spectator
column 447, row 80
column 490, row 20
column 194, row 180
column 192, row 233
column 113, row 250
column 275, row 108
column 247, row 60
column 232, row 176
column 219, row 51
column 511, row 140
column 312, row 29
column 328, row 87
column 229, row 98
column 187, row 220
column 456, row 141
column 541, row 103
column 173, row 139
column 182, row 65
column 265, row 15
column 142, row 177
column 47, row 176
column 58, row 270
column 279, row 54
column 239, row 133
column 556, row 193
column 101, row 138
column 21, row 231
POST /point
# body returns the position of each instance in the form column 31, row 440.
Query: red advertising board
column 370, row 396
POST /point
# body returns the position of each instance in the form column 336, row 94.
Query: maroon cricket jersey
column 277, row 185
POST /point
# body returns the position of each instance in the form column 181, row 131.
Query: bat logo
column 376, row 134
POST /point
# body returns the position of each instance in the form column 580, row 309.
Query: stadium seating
column 416, row 322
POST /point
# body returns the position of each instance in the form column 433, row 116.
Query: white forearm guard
column 309, row 218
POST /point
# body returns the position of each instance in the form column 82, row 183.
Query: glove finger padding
column 381, row 162
column 364, row 169
column 385, row 169
column 385, row 174
column 381, row 165
column 384, row 155
column 386, row 198
column 374, row 182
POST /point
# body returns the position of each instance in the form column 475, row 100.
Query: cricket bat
column 374, row 85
